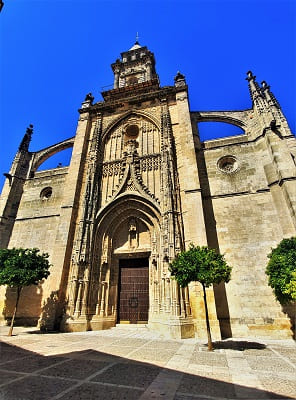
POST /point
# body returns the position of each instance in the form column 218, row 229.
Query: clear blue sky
column 54, row 52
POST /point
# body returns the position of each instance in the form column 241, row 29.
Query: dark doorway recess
column 133, row 302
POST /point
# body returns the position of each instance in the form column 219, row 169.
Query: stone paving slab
column 189, row 384
column 131, row 363
column 33, row 388
column 132, row 374
column 89, row 391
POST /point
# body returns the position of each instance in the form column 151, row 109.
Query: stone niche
column 132, row 236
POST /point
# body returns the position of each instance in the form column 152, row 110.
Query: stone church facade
column 141, row 187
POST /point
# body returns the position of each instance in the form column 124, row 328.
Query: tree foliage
column 200, row 264
column 204, row 265
column 281, row 270
column 22, row 267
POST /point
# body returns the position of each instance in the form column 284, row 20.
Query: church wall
column 242, row 220
column 141, row 185
column 35, row 226
column 192, row 211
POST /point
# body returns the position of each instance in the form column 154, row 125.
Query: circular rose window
column 228, row 164
column 132, row 131
column 46, row 193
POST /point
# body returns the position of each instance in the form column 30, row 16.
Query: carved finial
column 137, row 38
column 250, row 76
column 255, row 89
column 179, row 79
column 179, row 76
column 269, row 95
column 89, row 97
column 264, row 85
column 24, row 146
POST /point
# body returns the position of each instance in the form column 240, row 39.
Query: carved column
column 171, row 232
column 82, row 249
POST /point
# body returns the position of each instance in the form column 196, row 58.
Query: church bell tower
column 130, row 224
column 137, row 65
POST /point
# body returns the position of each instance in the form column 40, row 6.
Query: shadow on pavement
column 91, row 374
column 238, row 345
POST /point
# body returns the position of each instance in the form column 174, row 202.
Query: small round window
column 228, row 164
column 46, row 193
column 132, row 131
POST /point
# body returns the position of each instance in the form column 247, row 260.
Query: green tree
column 204, row 265
column 281, row 270
column 22, row 267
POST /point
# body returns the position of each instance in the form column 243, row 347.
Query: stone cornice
column 126, row 91
column 233, row 141
column 132, row 98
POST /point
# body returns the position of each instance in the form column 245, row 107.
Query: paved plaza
column 133, row 363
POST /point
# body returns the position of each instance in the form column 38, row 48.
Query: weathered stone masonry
column 139, row 188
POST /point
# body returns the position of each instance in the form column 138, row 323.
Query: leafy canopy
column 200, row 264
column 281, row 270
column 22, row 267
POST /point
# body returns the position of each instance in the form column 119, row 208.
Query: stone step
column 130, row 326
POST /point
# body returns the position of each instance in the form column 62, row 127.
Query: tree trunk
column 19, row 288
column 210, row 343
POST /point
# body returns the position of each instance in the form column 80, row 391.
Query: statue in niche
column 132, row 234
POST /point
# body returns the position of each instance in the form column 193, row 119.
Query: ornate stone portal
column 135, row 217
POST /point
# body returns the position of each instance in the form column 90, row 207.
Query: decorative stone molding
column 111, row 168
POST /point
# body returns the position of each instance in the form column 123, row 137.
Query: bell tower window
column 132, row 80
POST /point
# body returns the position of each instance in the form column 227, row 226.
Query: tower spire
column 24, row 146
column 137, row 38
column 256, row 93
column 269, row 95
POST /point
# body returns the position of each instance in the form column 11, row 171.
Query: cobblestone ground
column 133, row 363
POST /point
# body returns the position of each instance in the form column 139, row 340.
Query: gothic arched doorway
column 128, row 246
column 125, row 262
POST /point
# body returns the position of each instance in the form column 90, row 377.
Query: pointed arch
column 126, row 115
column 132, row 201
column 114, row 242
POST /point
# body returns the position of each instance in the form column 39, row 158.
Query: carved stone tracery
column 136, row 195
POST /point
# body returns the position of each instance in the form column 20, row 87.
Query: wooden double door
column 133, row 301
